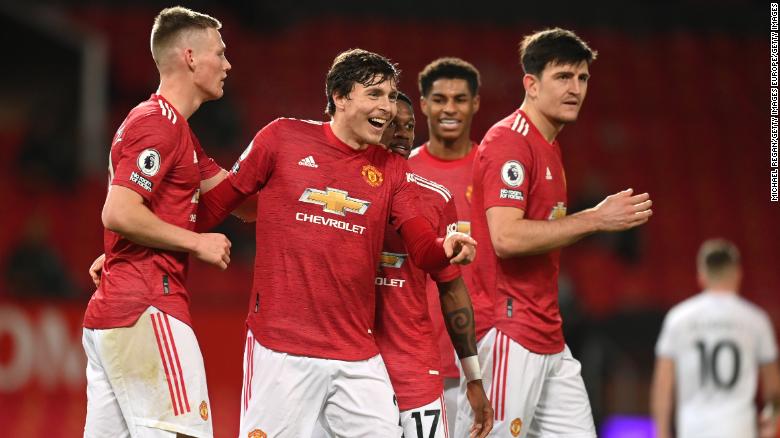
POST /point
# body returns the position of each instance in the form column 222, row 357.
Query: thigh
column 104, row 416
column 563, row 409
column 451, row 391
column 283, row 394
column 157, row 373
column 516, row 386
column 361, row 400
column 427, row 421
column 464, row 416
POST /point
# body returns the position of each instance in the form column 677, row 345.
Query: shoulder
column 505, row 134
column 754, row 312
column 153, row 115
column 416, row 153
column 287, row 127
column 289, row 123
column 429, row 187
column 685, row 310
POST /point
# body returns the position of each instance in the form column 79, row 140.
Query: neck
column 181, row 94
column 343, row 132
column 727, row 287
column 546, row 126
column 450, row 149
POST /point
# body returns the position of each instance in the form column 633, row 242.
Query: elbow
column 502, row 247
column 112, row 220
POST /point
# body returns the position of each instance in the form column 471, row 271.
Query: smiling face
column 399, row 134
column 450, row 108
column 208, row 62
column 362, row 115
column 559, row 93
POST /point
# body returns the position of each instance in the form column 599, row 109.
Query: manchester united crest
column 516, row 426
column 372, row 175
column 204, row 410
column 257, row 433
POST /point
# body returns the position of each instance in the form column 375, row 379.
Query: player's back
column 717, row 341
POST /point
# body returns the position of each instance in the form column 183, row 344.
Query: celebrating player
column 326, row 195
column 713, row 349
column 449, row 98
column 145, row 375
column 519, row 207
column 403, row 326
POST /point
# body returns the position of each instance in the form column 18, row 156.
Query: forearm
column 528, row 237
column 218, row 203
column 424, row 248
column 661, row 397
column 770, row 386
column 458, row 316
column 247, row 211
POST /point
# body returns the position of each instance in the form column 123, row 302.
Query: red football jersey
column 516, row 167
column 155, row 154
column 456, row 176
column 322, row 212
column 404, row 331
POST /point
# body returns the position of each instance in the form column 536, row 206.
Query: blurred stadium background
column 677, row 106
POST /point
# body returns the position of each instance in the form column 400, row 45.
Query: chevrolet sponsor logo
column 390, row 282
column 334, row 201
column 391, row 259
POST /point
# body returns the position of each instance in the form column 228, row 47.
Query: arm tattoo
column 460, row 325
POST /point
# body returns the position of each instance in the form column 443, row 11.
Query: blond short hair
column 171, row 22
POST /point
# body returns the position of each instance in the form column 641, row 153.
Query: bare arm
column 125, row 213
column 458, row 316
column 512, row 235
column 662, row 396
column 770, row 391
column 247, row 211
column 459, row 319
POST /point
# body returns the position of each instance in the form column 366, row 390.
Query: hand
column 622, row 211
column 214, row 249
column 767, row 423
column 483, row 412
column 462, row 246
column 97, row 268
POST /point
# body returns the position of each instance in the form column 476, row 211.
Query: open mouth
column 449, row 123
column 402, row 146
column 377, row 122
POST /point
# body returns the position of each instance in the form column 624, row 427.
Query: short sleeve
column 254, row 167
column 504, row 169
column 664, row 347
column 144, row 153
column 767, row 345
column 448, row 222
column 403, row 206
column 206, row 165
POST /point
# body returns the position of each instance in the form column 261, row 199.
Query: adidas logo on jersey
column 549, row 175
column 308, row 162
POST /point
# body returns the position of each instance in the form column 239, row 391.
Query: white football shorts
column 285, row 395
column 533, row 395
column 146, row 380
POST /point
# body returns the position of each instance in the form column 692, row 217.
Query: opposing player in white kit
column 519, row 208
column 145, row 374
column 326, row 195
column 713, row 350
